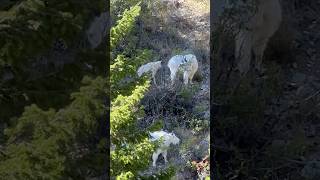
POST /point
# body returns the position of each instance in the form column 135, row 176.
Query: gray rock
column 97, row 30
column 206, row 115
column 202, row 148
column 316, row 84
column 299, row 78
column 311, row 170
column 305, row 91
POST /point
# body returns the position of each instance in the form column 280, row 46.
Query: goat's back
column 175, row 61
column 149, row 67
column 167, row 137
column 143, row 69
column 268, row 18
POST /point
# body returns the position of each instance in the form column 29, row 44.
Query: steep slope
column 268, row 127
column 179, row 29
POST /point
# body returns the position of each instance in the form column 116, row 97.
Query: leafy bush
column 132, row 149
column 47, row 144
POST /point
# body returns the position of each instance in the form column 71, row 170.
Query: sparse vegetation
column 174, row 107
column 262, row 126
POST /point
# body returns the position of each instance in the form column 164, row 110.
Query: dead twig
column 313, row 95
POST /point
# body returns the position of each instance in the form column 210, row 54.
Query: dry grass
column 198, row 7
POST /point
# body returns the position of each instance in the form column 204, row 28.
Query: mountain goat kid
column 152, row 67
column 187, row 63
column 256, row 33
column 168, row 138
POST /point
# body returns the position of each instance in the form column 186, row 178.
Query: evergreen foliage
column 48, row 144
column 130, row 148
column 123, row 114
column 117, row 7
column 50, row 135
column 29, row 30
column 124, row 25
column 123, row 67
column 30, row 27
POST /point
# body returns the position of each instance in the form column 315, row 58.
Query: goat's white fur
column 152, row 67
column 256, row 34
column 188, row 63
column 168, row 138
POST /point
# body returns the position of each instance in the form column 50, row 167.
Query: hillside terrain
column 184, row 110
column 268, row 127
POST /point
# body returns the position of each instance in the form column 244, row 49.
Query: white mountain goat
column 256, row 33
column 168, row 138
column 187, row 63
column 152, row 67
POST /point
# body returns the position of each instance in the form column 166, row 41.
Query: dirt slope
column 183, row 109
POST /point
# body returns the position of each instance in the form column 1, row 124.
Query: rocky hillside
column 269, row 127
column 179, row 29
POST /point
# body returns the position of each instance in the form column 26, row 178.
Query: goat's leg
column 243, row 51
column 238, row 45
column 192, row 73
column 155, row 156
column 190, row 80
column 172, row 76
column 258, row 51
column 155, row 82
column 154, row 79
column 191, row 77
column 186, row 77
column 164, row 154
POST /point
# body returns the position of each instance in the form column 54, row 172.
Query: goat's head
column 140, row 71
column 158, row 64
column 174, row 139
